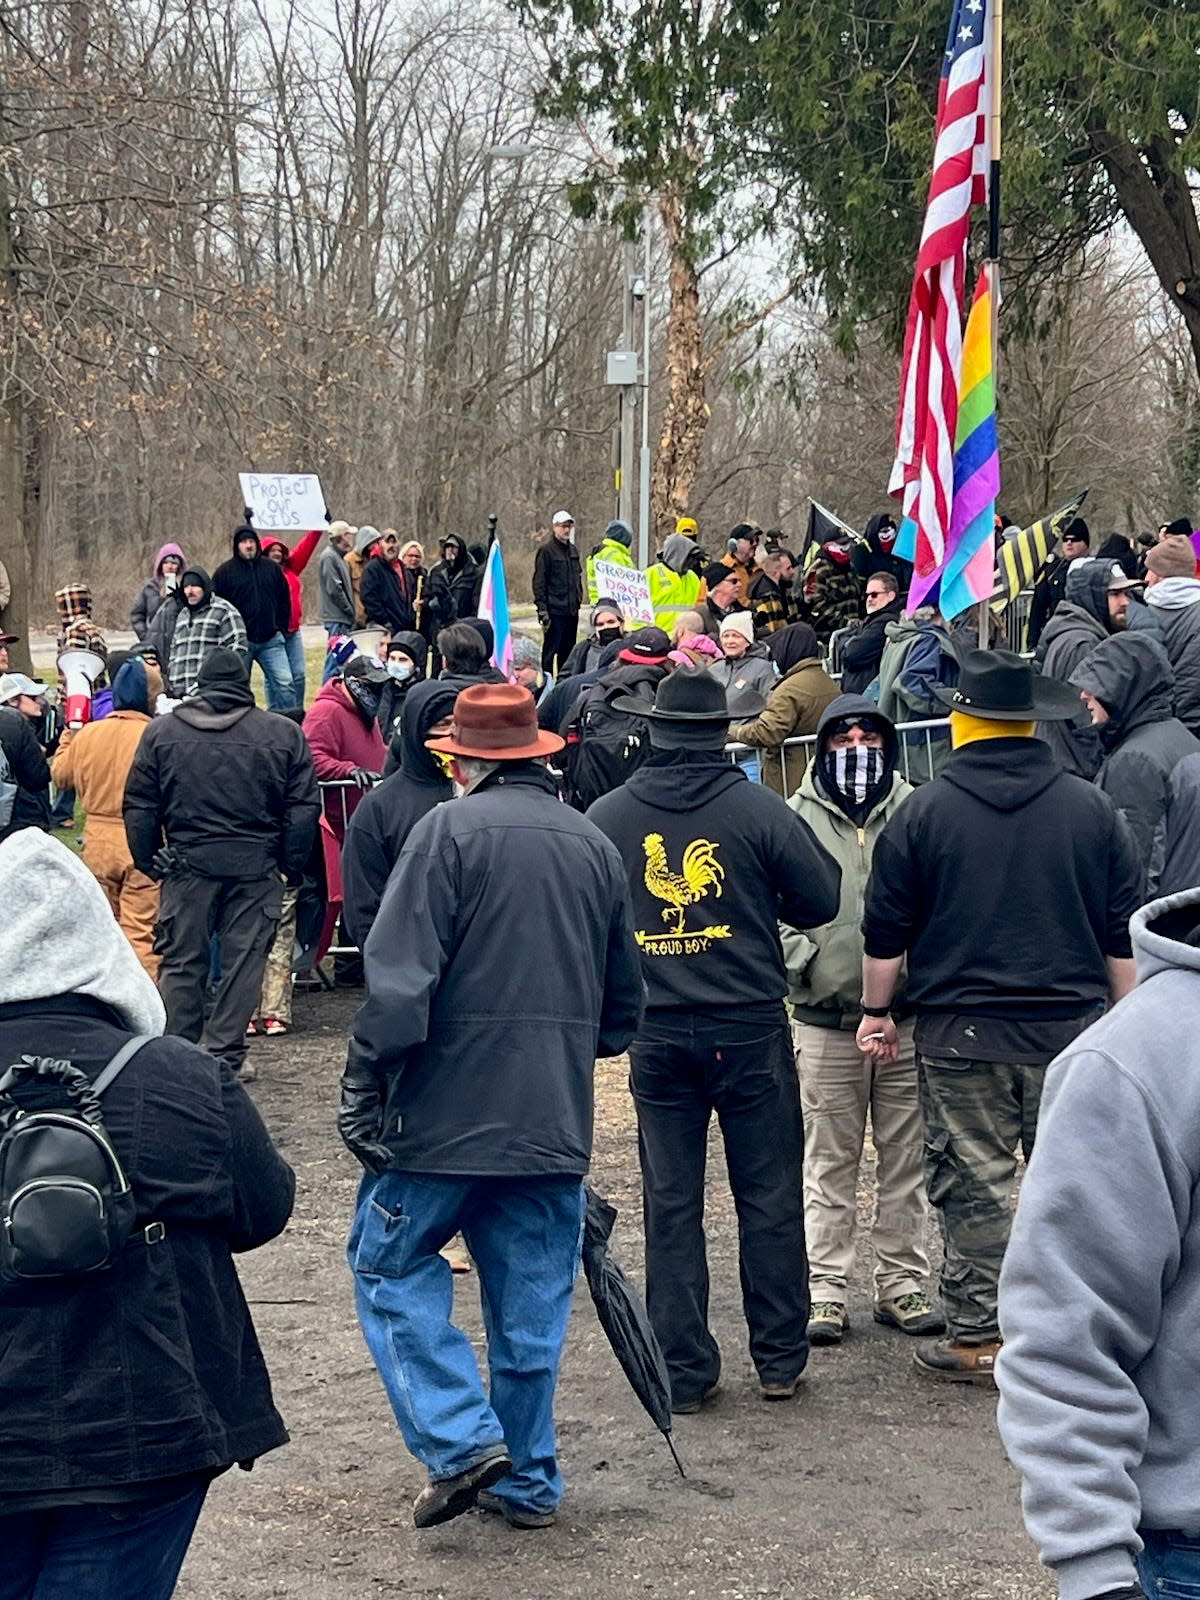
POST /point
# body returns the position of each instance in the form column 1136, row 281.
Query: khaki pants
column 838, row 1086
column 132, row 896
column 276, row 1000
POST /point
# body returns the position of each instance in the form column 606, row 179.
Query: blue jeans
column 129, row 1552
column 1169, row 1566
column 294, row 645
column 524, row 1235
column 271, row 655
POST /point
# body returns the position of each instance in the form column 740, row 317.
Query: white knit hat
column 739, row 622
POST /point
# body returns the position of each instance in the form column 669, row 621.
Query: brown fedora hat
column 496, row 722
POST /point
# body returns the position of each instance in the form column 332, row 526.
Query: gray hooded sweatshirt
column 1099, row 1375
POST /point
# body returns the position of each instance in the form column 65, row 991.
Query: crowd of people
column 742, row 878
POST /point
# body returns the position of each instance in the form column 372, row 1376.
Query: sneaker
column 252, row 1028
column 827, row 1322
column 951, row 1362
column 911, row 1313
column 688, row 1408
column 273, row 1027
column 516, row 1516
column 447, row 1498
column 781, row 1391
column 247, row 1072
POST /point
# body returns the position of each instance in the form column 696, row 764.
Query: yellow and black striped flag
column 1021, row 558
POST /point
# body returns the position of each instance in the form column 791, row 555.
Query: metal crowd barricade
column 924, row 747
column 334, row 811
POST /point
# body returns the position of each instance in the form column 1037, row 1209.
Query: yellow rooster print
column 701, row 872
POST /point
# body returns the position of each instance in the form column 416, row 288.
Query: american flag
column 923, row 471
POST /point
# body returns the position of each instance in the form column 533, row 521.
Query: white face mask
column 401, row 670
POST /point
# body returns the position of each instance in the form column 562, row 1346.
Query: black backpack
column 604, row 746
column 66, row 1206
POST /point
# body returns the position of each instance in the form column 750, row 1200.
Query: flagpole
column 996, row 25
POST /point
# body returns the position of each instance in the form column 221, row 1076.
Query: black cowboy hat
column 998, row 685
column 683, row 696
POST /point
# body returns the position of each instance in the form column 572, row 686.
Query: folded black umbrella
column 624, row 1319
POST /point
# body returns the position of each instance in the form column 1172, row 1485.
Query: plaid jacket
column 773, row 605
column 76, row 630
column 197, row 634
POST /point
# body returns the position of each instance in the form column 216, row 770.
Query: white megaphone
column 80, row 669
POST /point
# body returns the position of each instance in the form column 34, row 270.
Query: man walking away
column 205, row 623
column 257, row 589
column 1096, row 606
column 558, row 592
column 1008, row 885
column 221, row 806
column 849, row 794
column 1100, row 1294
column 1173, row 595
column 715, row 863
column 674, row 580
column 468, row 1097
column 1127, row 684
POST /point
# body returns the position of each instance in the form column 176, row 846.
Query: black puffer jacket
column 150, row 1369
column 232, row 787
column 29, row 770
column 257, row 588
column 489, row 1060
column 1130, row 674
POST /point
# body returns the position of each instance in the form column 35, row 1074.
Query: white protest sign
column 281, row 502
column 628, row 587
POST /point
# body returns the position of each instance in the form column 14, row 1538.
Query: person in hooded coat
column 453, row 589
column 1127, row 685
column 1173, row 597
column 94, row 761
column 876, row 553
column 832, row 589
column 616, row 548
column 125, row 1392
column 365, row 540
column 1096, row 606
column 406, row 661
column 390, row 811
column 674, row 580
column 607, row 626
column 342, row 730
column 793, row 708
column 715, row 864
column 293, row 559
column 203, row 623
column 163, row 580
column 1050, row 587
column 849, row 794
column 258, row 591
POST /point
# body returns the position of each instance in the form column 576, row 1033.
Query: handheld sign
column 281, row 502
column 628, row 587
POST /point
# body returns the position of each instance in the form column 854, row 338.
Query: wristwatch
column 875, row 1011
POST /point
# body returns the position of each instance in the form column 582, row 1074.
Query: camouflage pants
column 976, row 1113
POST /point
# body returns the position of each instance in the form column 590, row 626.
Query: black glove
column 164, row 862
column 248, row 515
column 328, row 514
column 544, row 618
column 1133, row 1591
column 363, row 778
column 360, row 1113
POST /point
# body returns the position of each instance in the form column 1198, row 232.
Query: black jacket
column 387, row 815
column 862, row 653
column 557, row 579
column 1007, row 883
column 871, row 556
column 30, row 772
column 1049, row 592
column 385, row 597
column 452, row 591
column 257, row 588
column 491, row 990
column 395, row 691
column 233, row 789
column 1181, row 830
column 151, row 1368
column 555, row 710
column 1131, row 677
column 715, row 863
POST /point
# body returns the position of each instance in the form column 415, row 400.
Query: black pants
column 682, row 1071
column 559, row 640
column 243, row 916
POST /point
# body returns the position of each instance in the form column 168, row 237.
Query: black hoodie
column 387, row 815
column 395, row 691
column 872, row 557
column 715, row 863
column 257, row 588
column 1007, row 883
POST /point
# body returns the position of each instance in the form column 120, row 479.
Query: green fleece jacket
column 824, row 965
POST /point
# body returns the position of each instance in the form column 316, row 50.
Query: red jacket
column 294, row 563
column 341, row 741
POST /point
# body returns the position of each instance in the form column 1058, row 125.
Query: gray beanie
column 620, row 532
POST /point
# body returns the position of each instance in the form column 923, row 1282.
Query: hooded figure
column 876, row 553
column 356, row 559
column 1173, row 599
column 405, row 670
column 1130, row 678
column 674, row 580
column 203, row 623
column 793, row 708
column 391, row 810
column 156, row 587
column 616, row 548
column 606, row 625
column 342, row 730
column 454, row 585
column 76, row 629
column 1084, row 619
column 255, row 587
column 832, row 589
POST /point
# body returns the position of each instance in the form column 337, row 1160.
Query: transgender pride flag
column 493, row 605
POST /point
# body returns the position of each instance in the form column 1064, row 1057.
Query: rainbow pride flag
column 493, row 604
column 966, row 575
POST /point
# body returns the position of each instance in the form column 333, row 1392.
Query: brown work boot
column 953, row 1362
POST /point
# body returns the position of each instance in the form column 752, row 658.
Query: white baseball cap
column 562, row 516
column 13, row 684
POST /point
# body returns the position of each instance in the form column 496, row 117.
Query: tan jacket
column 794, row 708
column 95, row 762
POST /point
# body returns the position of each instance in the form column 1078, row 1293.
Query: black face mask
column 366, row 697
column 607, row 635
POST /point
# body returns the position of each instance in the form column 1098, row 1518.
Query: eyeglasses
column 876, row 594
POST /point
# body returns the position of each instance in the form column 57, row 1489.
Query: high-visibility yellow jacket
column 671, row 592
column 612, row 551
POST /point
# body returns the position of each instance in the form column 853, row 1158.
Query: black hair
column 462, row 649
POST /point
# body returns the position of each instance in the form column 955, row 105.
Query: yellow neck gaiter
column 966, row 729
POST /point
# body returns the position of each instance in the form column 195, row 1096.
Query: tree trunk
column 1158, row 206
column 14, row 528
column 686, row 414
